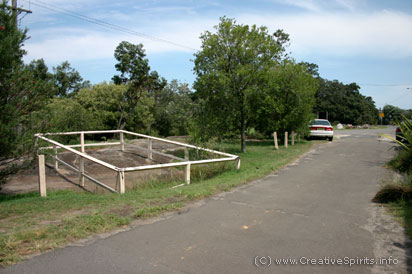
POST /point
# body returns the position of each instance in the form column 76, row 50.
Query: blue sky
column 364, row 41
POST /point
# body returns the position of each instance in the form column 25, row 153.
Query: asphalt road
column 317, row 210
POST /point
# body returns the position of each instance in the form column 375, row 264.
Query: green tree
column 40, row 70
column 23, row 92
column 67, row 80
column 102, row 100
column 66, row 114
column 285, row 101
column 134, row 73
column 11, row 53
column 394, row 114
column 229, row 67
column 172, row 109
column 344, row 103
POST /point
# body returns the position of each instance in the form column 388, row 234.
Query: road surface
column 317, row 213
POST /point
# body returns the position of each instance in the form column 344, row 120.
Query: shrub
column 402, row 161
column 393, row 192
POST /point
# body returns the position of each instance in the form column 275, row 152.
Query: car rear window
column 321, row 123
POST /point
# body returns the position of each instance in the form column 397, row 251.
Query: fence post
column 186, row 154
column 121, row 141
column 293, row 138
column 187, row 174
column 298, row 138
column 42, row 176
column 81, row 161
column 56, row 163
column 238, row 163
column 275, row 140
column 149, row 147
column 121, row 182
column 286, row 139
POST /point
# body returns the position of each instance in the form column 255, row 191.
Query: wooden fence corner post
column 42, row 176
column 121, row 182
column 121, row 141
column 186, row 154
column 187, row 174
column 275, row 139
column 56, row 163
column 149, row 147
column 81, row 161
column 293, row 138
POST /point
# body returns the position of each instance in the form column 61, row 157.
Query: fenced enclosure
column 144, row 145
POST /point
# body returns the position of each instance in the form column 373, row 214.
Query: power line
column 403, row 95
column 104, row 24
column 385, row 85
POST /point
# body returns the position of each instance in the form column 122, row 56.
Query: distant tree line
column 345, row 104
column 393, row 115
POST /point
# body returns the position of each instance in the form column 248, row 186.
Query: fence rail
column 120, row 171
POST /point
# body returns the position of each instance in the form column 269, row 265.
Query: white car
column 321, row 128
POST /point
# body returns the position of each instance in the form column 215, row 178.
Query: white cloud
column 385, row 34
column 74, row 44
column 348, row 4
column 323, row 5
column 310, row 5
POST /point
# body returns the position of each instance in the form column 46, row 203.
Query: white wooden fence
column 120, row 171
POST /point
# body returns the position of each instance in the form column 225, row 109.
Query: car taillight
column 398, row 129
column 329, row 129
column 313, row 128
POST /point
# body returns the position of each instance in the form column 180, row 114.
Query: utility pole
column 15, row 10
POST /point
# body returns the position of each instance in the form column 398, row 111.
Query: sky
column 368, row 42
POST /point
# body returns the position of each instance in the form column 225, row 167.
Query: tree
column 40, row 70
column 11, row 53
column 229, row 67
column 66, row 114
column 134, row 69
column 68, row 81
column 344, row 103
column 22, row 94
column 394, row 114
column 102, row 101
column 311, row 68
column 172, row 109
column 285, row 101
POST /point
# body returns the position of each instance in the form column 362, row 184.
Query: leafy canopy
column 229, row 67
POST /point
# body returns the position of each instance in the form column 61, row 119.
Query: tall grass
column 398, row 195
column 403, row 163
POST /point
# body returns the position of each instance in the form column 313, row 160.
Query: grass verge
column 30, row 224
column 403, row 212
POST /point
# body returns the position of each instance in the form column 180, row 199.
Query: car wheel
column 330, row 139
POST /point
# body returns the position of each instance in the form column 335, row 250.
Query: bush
column 403, row 161
column 393, row 192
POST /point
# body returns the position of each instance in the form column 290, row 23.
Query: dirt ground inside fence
column 135, row 154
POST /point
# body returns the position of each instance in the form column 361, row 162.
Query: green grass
column 403, row 212
column 30, row 224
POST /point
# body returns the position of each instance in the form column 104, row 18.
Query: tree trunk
column 242, row 134
column 242, row 122
column 243, row 140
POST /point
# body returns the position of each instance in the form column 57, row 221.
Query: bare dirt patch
column 135, row 154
